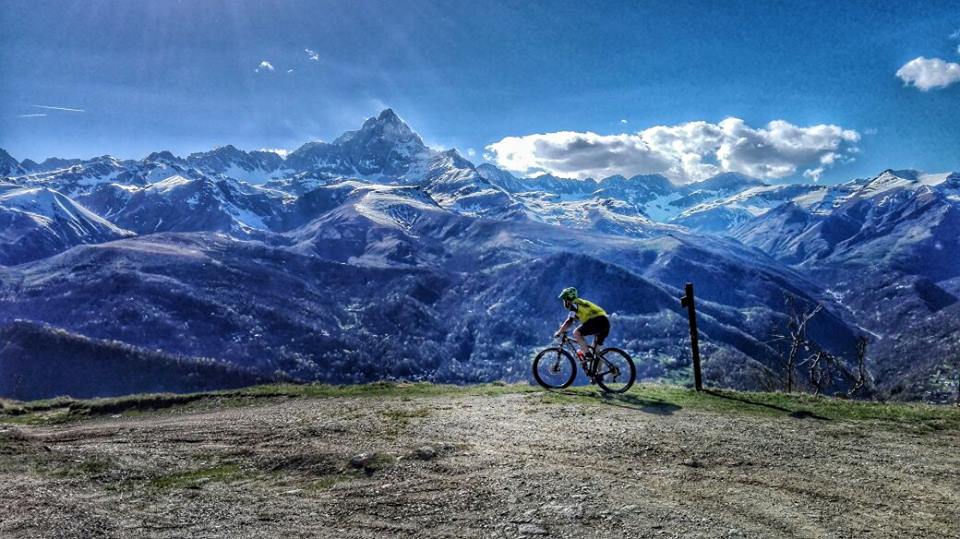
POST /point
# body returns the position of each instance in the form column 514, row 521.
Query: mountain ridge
column 376, row 202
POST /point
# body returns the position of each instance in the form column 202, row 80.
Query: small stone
column 531, row 529
column 426, row 453
column 360, row 460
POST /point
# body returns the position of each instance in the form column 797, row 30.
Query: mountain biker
column 593, row 321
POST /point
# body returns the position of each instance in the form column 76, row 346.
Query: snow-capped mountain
column 9, row 166
column 39, row 222
column 80, row 178
column 454, row 183
column 185, row 205
column 254, row 167
column 375, row 254
column 840, row 221
column 383, row 149
column 652, row 195
column 48, row 164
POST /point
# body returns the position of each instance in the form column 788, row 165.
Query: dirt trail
column 508, row 465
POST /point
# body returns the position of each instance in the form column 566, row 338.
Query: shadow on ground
column 631, row 402
column 796, row 414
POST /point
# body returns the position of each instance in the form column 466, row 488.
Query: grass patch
column 649, row 397
column 327, row 482
column 45, row 417
column 194, row 478
column 87, row 468
column 796, row 405
column 64, row 409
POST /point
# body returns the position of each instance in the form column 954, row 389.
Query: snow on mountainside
column 652, row 196
column 78, row 179
column 254, row 167
column 9, row 166
column 48, row 164
column 383, row 149
column 454, row 183
column 838, row 220
column 183, row 204
column 39, row 222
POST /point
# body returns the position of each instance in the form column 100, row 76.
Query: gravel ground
column 511, row 465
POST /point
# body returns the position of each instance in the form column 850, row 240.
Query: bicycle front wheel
column 615, row 371
column 554, row 368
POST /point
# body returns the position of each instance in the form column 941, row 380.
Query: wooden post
column 687, row 301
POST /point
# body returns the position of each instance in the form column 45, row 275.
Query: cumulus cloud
column 684, row 153
column 264, row 66
column 623, row 121
column 929, row 73
column 312, row 55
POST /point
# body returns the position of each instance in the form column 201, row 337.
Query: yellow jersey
column 585, row 310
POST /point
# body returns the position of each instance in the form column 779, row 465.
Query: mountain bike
column 611, row 368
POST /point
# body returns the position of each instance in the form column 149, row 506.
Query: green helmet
column 568, row 294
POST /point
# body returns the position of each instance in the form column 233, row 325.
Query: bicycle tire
column 627, row 382
column 560, row 356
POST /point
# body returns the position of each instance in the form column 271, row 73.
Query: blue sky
column 183, row 75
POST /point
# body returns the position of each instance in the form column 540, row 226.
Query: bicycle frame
column 572, row 345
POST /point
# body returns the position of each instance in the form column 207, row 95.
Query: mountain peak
column 906, row 174
column 163, row 156
column 386, row 127
column 727, row 181
column 8, row 165
column 388, row 116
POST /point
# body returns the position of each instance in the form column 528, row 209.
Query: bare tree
column 862, row 376
column 794, row 338
column 821, row 369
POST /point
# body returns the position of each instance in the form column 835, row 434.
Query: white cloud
column 955, row 34
column 684, row 153
column 623, row 121
column 264, row 66
column 279, row 151
column 38, row 115
column 813, row 173
column 929, row 73
column 312, row 55
column 289, row 71
column 471, row 152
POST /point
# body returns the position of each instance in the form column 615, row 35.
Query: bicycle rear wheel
column 615, row 371
column 554, row 368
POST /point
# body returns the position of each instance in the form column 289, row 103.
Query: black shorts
column 598, row 325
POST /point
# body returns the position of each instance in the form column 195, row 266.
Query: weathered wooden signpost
column 687, row 301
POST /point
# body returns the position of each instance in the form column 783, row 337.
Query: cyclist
column 593, row 321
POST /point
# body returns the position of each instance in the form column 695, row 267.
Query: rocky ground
column 506, row 463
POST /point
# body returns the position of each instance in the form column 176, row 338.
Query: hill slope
column 480, row 461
